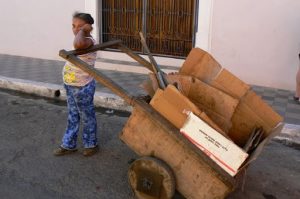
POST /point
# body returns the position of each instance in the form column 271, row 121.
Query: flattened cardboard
column 174, row 106
column 218, row 105
column 201, row 65
column 252, row 112
column 230, row 84
column 183, row 82
column 262, row 109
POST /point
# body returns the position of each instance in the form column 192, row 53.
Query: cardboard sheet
column 218, row 105
column 201, row 65
column 175, row 107
column 230, row 84
column 250, row 113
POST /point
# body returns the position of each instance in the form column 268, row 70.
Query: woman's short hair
column 84, row 16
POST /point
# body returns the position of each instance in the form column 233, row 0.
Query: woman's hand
column 87, row 28
column 81, row 41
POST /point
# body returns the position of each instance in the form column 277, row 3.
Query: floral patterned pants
column 80, row 106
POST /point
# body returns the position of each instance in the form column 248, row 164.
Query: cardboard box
column 220, row 149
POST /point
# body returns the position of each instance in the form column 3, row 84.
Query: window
column 168, row 25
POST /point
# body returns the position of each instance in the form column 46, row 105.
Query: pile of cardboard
column 215, row 96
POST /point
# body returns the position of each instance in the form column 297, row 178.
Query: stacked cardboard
column 251, row 111
column 218, row 98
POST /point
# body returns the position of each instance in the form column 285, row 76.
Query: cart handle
column 116, row 43
column 71, row 56
column 91, row 49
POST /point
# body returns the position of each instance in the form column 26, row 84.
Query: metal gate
column 169, row 25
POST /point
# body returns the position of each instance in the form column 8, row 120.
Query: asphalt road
column 31, row 128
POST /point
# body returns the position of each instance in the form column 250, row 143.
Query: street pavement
column 31, row 128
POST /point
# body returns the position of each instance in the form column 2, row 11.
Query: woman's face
column 77, row 24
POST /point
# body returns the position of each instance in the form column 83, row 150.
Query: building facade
column 257, row 41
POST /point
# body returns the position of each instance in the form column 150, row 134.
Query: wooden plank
column 195, row 178
column 136, row 57
column 64, row 53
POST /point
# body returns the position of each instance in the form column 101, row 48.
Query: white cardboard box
column 220, row 149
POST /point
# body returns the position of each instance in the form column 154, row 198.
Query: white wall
column 203, row 35
column 259, row 41
column 37, row 28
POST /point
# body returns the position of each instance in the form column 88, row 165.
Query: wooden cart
column 168, row 159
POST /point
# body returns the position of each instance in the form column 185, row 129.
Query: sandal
column 62, row 151
column 90, row 151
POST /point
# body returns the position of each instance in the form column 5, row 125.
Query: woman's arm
column 80, row 41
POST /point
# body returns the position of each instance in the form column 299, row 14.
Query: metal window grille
column 169, row 25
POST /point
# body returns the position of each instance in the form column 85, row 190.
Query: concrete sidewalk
column 44, row 78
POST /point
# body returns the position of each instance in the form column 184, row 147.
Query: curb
column 56, row 91
column 290, row 136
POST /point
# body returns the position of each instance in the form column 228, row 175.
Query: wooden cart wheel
column 151, row 178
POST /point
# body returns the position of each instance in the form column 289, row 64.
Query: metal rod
column 144, row 19
column 194, row 22
column 162, row 82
